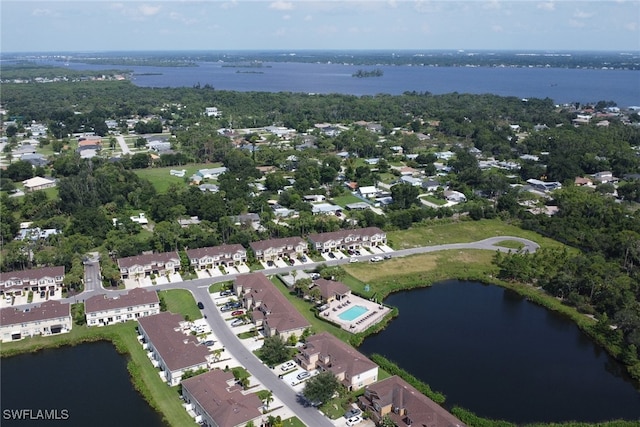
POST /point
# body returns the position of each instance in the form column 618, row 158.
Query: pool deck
column 375, row 313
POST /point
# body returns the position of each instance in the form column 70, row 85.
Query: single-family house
column 38, row 183
column 348, row 239
column 536, row 184
column 215, row 256
column 248, row 219
column 100, row 310
column 272, row 249
column 583, row 182
column 268, row 307
column 212, row 112
column 396, row 399
column 455, row 196
column 35, row 159
column 151, row 264
column 212, row 188
column 217, row 400
column 171, row 346
column 211, row 173
column 368, row 191
column 431, row 185
column 604, row 177
column 186, row 222
column 408, row 179
column 326, row 352
column 159, row 146
column 19, row 283
column 49, row 318
column 325, row 209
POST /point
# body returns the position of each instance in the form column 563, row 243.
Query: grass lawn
column 437, row 233
column 181, row 301
column 433, row 199
column 513, row 244
column 161, row 179
column 384, row 278
column 293, row 422
column 144, row 376
column 345, row 200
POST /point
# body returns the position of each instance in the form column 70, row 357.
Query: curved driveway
column 200, row 290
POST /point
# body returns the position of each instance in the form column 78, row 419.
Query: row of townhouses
column 264, row 250
column 215, row 397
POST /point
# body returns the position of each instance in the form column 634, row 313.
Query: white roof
column 37, row 182
column 368, row 189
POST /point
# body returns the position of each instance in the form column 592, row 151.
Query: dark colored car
column 200, row 305
column 387, row 256
column 353, row 412
column 331, row 255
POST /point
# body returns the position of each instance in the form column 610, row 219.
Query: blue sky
column 89, row 25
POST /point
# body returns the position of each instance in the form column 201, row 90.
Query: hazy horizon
column 236, row 25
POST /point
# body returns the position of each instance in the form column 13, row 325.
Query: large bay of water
column 559, row 84
column 493, row 352
column 90, row 381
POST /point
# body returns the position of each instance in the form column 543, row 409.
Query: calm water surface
column 560, row 85
column 90, row 381
column 500, row 356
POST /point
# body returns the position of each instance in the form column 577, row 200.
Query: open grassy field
column 162, row 180
column 420, row 270
column 441, row 232
column 181, row 301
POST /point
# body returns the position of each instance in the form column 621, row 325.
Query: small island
column 373, row 73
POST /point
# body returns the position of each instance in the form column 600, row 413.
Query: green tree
column 321, row 387
column 274, row 351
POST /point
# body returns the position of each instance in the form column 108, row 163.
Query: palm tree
column 268, row 399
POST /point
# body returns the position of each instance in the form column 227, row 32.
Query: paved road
column 308, row 415
column 123, row 145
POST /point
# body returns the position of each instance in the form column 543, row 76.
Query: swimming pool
column 353, row 313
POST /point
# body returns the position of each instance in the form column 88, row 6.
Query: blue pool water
column 353, row 313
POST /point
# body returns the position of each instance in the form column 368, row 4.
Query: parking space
column 243, row 268
column 203, row 274
column 385, row 248
column 280, row 263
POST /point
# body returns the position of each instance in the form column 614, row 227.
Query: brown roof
column 149, row 259
column 89, row 142
column 355, row 234
column 34, row 274
column 279, row 314
column 263, row 245
column 337, row 356
column 418, row 408
column 134, row 297
column 178, row 350
column 47, row 310
column 331, row 288
column 222, row 250
column 225, row 404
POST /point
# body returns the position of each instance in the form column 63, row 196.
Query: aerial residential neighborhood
column 240, row 248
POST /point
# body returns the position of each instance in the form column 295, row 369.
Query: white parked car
column 354, row 420
column 288, row 366
column 376, row 259
column 238, row 322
